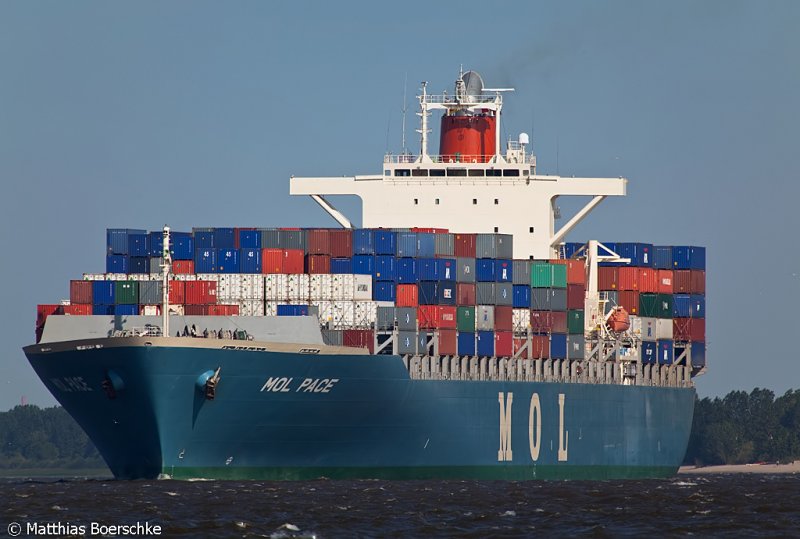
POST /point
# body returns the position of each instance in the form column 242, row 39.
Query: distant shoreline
column 55, row 473
column 790, row 468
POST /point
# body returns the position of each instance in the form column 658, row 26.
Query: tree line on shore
column 736, row 429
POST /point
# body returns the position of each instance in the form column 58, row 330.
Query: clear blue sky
column 138, row 114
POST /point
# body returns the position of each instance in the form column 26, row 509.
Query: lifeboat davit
column 618, row 320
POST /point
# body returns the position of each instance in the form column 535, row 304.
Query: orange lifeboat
column 618, row 320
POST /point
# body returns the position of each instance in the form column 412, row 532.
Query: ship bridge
column 470, row 186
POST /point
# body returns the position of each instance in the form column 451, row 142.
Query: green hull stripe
column 516, row 473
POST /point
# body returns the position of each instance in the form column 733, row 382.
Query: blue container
column 427, row 293
column 406, row 245
column 665, row 352
column 697, row 306
column 156, row 242
column 601, row 251
column 342, row 265
column 641, row 254
column 466, row 343
column 117, row 240
column 558, row 345
column 103, row 309
column 426, row 244
column 572, row 247
column 446, row 293
column 182, row 246
column 126, row 310
column 292, row 310
column 205, row 260
column 203, row 239
column 364, row 242
column 504, row 271
column 428, row 269
column 688, row 257
column 227, row 261
column 117, row 264
column 250, row 239
column 103, row 292
column 138, row 244
column 662, row 257
column 407, row 270
column 225, row 238
column 681, row 306
column 522, row 296
column 485, row 270
column 649, row 352
column 485, row 343
column 139, row 264
column 384, row 291
column 364, row 264
column 698, row 355
column 250, row 259
column 385, row 242
column 447, row 269
column 385, row 268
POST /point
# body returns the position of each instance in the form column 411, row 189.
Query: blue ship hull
column 282, row 415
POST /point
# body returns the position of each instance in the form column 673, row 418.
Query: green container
column 465, row 319
column 126, row 292
column 664, row 309
column 546, row 275
column 575, row 322
column 649, row 305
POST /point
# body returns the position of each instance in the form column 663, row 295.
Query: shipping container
column 250, row 259
column 697, row 282
column 318, row 264
column 117, row 242
column 629, row 300
column 466, row 343
column 406, row 270
column 138, row 264
column 665, row 281
column 272, row 260
column 228, row 260
column 203, row 239
column 688, row 257
column 428, row 269
column 540, row 347
column 484, row 317
column 504, row 294
column 363, row 241
column 45, row 310
column 445, row 245
column 698, row 354
column 363, row 265
column 662, row 257
column 648, row 331
column 465, row 245
column 648, row 280
column 548, row 321
column 341, row 243
column 155, row 265
column 406, row 318
column 493, row 246
column 573, row 249
column 558, row 346
column 682, row 281
column 436, row 316
column 80, row 291
column 293, row 261
column 407, row 295
column 521, row 319
column 485, row 342
column 640, row 254
column 318, row 241
column 249, row 239
column 628, row 278
column 182, row 267
column 410, row 342
column 385, row 242
column 447, row 344
column 520, row 347
column 102, row 309
column 465, row 319
column 546, row 275
column 292, row 310
column 522, row 296
column 665, row 352
column 576, row 345
column 466, row 294
column 522, row 272
column 407, row 245
column 465, row 270
column 689, row 329
column 486, row 293
column 575, row 322
column 576, row 296
column 384, row 291
column 177, row 292
column 384, row 318
column 150, row 292
column 427, row 292
column 138, row 245
column 664, row 329
column 608, row 278
column 504, row 343
column 225, row 238
column 548, row 299
column 117, row 263
column 607, row 248
column 426, row 244
column 77, row 309
column 385, row 268
column 681, row 306
column 576, row 272
column 503, row 318
column 103, row 292
column 294, row 239
column 270, row 238
column 697, row 306
column 200, row 292
column 205, row 260
column 649, row 353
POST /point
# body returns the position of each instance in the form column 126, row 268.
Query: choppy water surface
column 701, row 506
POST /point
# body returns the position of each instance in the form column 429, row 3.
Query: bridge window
column 437, row 201
column 416, row 201
column 474, row 200
column 496, row 201
column 387, row 172
column 530, row 230
column 496, row 229
column 494, row 172
column 437, row 172
column 456, row 172
column 476, row 172
column 419, row 172
column 402, row 172
column 511, row 172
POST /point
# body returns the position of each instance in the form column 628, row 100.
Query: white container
column 274, row 287
column 208, row 277
column 343, row 314
column 649, row 330
column 297, row 287
column 324, row 310
column 250, row 307
column 342, row 286
column 365, row 313
column 116, row 277
column 271, row 308
column 521, row 318
column 183, row 277
column 94, row 276
column 319, row 287
column 151, row 310
column 664, row 329
column 176, row 310
column 362, row 287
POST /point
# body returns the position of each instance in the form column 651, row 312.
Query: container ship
column 456, row 334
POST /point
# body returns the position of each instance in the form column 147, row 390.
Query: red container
column 407, row 295
column 629, row 300
column 341, row 243
column 80, row 292
column 689, row 329
column 665, row 281
column 359, row 338
column 430, row 230
column 318, row 264
column 648, row 280
column 272, row 261
column 503, row 343
column 697, row 282
column 177, row 292
column 195, row 310
column 436, row 316
column 465, row 294
column 548, row 322
column 681, row 281
column 576, row 296
column 45, row 310
column 77, row 309
column 183, row 267
column 201, row 292
column 223, row 310
column 576, row 272
column 608, row 278
column 318, row 242
column 521, row 344
column 503, row 318
column 465, row 245
column 447, row 342
column 540, row 347
column 628, row 278
column 293, row 261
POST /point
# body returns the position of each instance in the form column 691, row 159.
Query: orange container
column 648, row 280
column 665, row 281
column 407, row 295
column 576, row 272
column 628, row 278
